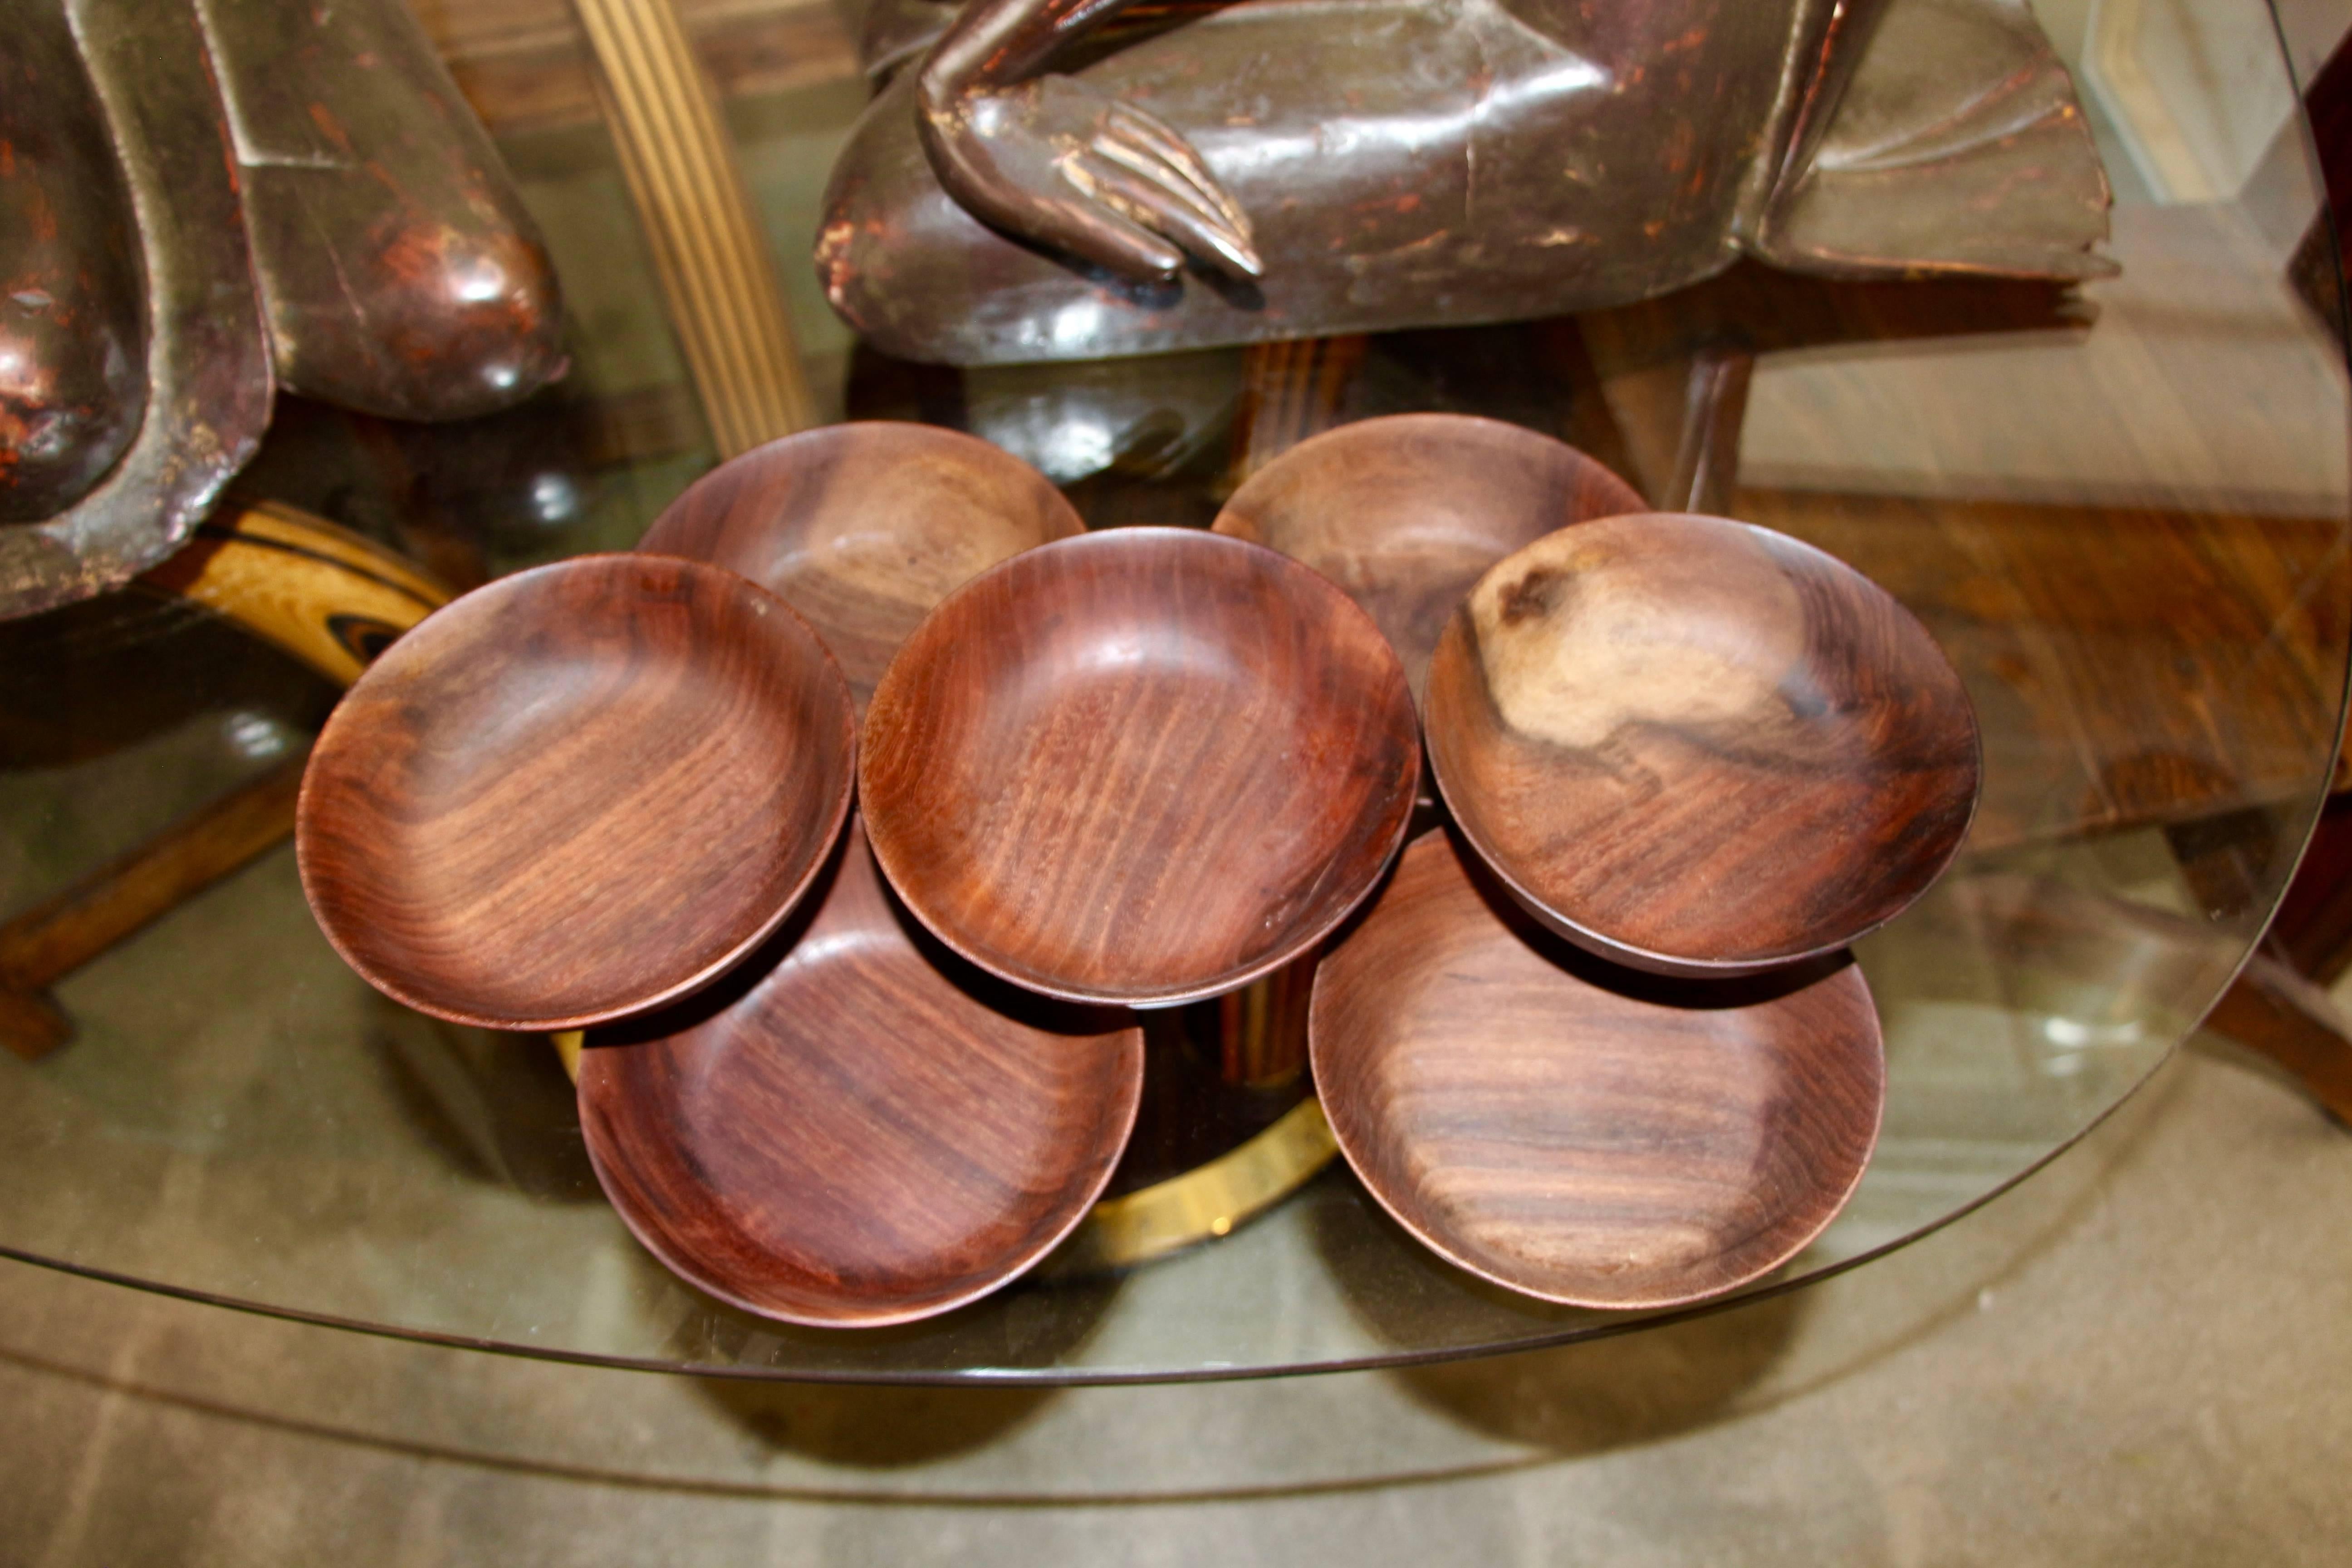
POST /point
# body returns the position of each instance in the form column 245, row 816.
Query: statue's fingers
column 1149, row 132
column 1154, row 204
column 1148, row 165
column 1100, row 229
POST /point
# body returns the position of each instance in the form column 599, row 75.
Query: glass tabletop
column 2122, row 510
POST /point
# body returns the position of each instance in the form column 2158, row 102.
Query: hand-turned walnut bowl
column 577, row 793
column 860, row 1136
column 1140, row 766
column 862, row 527
column 1699, row 747
column 1405, row 512
column 1583, row 1133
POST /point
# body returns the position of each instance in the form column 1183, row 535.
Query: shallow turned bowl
column 1406, row 513
column 1140, row 766
column 1579, row 1132
column 862, row 527
column 1697, row 746
column 577, row 793
column 858, row 1135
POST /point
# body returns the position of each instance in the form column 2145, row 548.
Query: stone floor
column 2138, row 1356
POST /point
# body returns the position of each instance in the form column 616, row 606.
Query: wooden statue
column 204, row 200
column 1287, row 168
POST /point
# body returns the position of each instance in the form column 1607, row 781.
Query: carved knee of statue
column 399, row 271
column 1447, row 164
column 72, row 356
column 1422, row 165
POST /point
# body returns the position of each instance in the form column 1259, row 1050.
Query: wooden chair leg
column 2278, row 1014
column 326, row 595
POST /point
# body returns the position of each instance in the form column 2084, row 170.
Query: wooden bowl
column 1406, row 513
column 861, row 1136
column 1699, row 747
column 1140, row 766
column 1586, row 1134
column 577, row 793
column 862, row 527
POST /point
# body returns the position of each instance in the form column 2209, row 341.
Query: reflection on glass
column 2124, row 516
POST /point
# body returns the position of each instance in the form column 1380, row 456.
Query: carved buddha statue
column 1032, row 184
column 203, row 200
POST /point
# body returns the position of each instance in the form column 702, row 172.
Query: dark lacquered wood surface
column 862, row 527
column 1407, row 512
column 1421, row 165
column 1140, row 766
column 75, row 389
column 1699, row 747
column 400, row 269
column 206, row 362
column 867, row 1132
column 1580, row 1132
column 577, row 793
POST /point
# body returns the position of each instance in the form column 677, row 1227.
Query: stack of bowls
column 1597, row 1041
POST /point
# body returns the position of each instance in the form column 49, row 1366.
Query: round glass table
column 2121, row 509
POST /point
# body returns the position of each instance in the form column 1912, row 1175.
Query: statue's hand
column 1057, row 161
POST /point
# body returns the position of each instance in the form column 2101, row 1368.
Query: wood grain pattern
column 863, row 528
column 577, row 793
column 1579, row 1132
column 1699, row 747
column 861, row 1135
column 1406, row 513
column 1141, row 766
column 330, row 597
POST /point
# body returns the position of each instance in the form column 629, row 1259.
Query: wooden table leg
column 326, row 595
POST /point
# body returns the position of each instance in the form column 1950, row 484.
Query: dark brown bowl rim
column 1140, row 999
column 1779, row 1258
column 399, row 991
column 1681, row 965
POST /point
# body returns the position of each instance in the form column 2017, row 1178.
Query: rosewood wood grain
column 1407, row 512
column 1142, row 766
column 1699, row 747
column 867, row 1132
column 1579, row 1132
column 863, row 528
column 577, row 793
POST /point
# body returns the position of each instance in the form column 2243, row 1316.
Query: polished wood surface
column 1579, row 1132
column 1020, row 193
column 863, row 528
column 207, row 356
column 577, row 793
column 1697, row 746
column 398, row 267
column 327, row 595
column 1140, row 766
column 1407, row 511
column 867, row 1132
